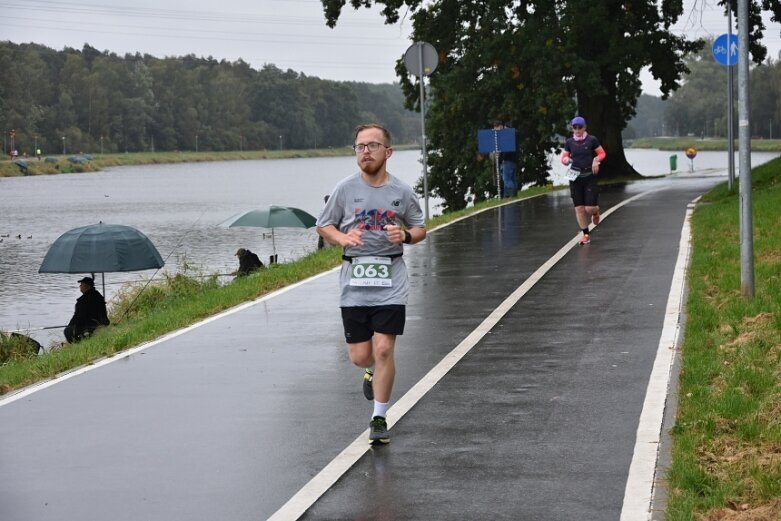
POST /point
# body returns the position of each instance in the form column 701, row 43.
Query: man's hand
column 395, row 233
column 352, row 238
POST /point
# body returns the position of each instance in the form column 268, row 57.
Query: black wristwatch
column 407, row 237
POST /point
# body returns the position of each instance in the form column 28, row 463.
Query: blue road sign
column 725, row 49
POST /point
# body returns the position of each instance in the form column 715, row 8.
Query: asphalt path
column 521, row 379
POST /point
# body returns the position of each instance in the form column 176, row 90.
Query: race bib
column 371, row 271
column 571, row 174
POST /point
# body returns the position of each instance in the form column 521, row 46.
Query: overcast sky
column 290, row 34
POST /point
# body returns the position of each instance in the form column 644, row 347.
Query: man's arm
column 398, row 235
column 331, row 234
column 417, row 233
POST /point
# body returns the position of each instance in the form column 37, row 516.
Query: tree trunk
column 605, row 122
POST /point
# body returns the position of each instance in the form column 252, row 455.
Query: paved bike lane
column 228, row 420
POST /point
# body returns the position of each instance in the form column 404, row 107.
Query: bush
column 141, row 299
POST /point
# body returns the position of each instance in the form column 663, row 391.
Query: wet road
column 230, row 419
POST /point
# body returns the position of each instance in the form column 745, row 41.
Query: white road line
column 639, row 491
column 118, row 356
column 297, row 505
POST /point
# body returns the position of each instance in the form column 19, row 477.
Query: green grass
column 167, row 305
column 708, row 144
column 727, row 437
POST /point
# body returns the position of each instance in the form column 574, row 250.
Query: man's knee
column 383, row 346
column 361, row 354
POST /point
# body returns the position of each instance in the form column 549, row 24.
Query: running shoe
column 368, row 388
column 378, row 431
column 585, row 240
column 595, row 218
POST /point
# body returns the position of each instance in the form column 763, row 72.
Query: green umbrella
column 101, row 248
column 272, row 217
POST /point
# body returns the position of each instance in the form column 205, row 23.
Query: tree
column 765, row 85
column 702, row 98
column 530, row 59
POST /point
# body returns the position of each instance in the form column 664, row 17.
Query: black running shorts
column 584, row 191
column 361, row 322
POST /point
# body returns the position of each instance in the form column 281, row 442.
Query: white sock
column 380, row 409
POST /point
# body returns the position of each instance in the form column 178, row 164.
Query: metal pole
column 746, row 221
column 730, row 108
column 423, row 126
column 496, row 164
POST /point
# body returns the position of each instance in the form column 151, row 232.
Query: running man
column 584, row 154
column 371, row 214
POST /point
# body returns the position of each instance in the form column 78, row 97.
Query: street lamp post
column 196, row 142
column 101, row 145
column 280, row 142
column 63, row 145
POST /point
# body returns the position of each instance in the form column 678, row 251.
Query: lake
column 178, row 207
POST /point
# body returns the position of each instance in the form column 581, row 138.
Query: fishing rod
column 27, row 330
column 176, row 247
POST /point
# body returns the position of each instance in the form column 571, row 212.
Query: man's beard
column 372, row 168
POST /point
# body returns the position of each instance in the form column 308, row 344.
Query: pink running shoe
column 585, row 240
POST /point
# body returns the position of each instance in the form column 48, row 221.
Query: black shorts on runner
column 584, row 191
column 361, row 322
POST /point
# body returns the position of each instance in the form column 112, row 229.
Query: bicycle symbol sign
column 725, row 49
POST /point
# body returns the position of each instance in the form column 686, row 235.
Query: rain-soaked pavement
column 230, row 419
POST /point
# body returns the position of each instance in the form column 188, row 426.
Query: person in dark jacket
column 248, row 262
column 90, row 312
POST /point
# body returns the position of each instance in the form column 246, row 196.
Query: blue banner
column 490, row 140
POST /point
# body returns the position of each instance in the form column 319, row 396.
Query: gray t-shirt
column 356, row 204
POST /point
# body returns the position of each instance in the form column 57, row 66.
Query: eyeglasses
column 373, row 147
column 577, row 126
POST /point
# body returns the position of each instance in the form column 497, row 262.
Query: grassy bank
column 60, row 164
column 727, row 438
column 708, row 144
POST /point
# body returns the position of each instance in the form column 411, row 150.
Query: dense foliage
column 536, row 63
column 91, row 101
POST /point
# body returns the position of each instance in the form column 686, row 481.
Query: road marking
column 27, row 391
column 640, row 488
column 297, row 505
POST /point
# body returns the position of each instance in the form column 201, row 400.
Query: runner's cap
column 578, row 120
